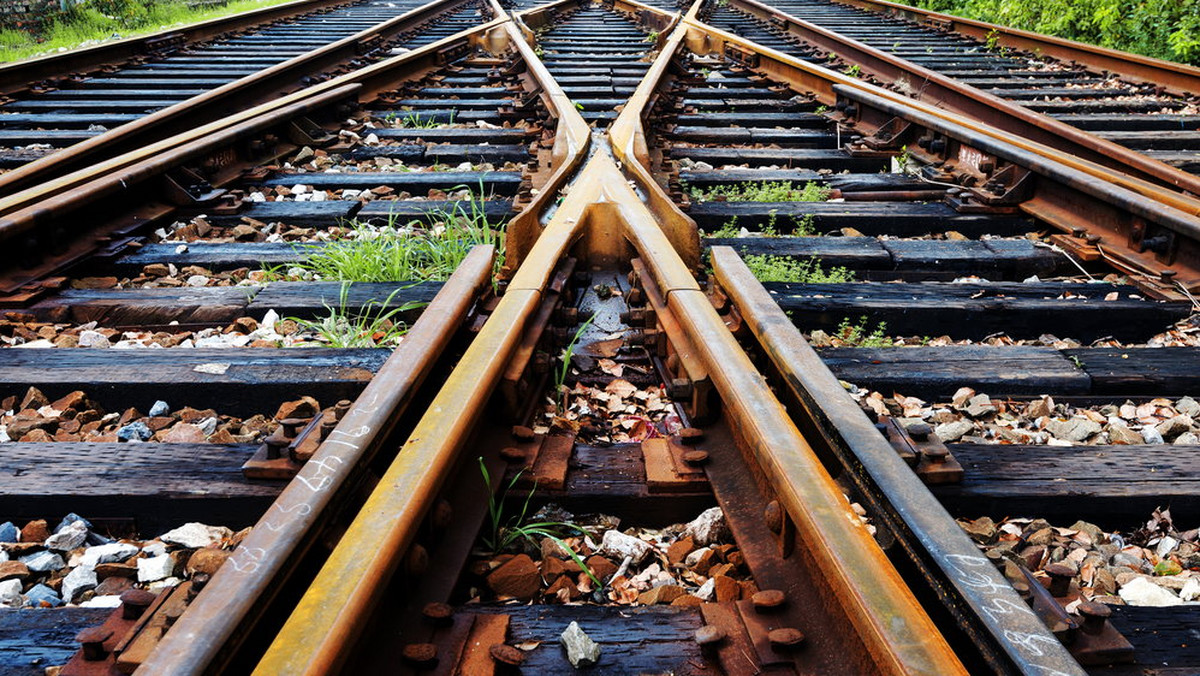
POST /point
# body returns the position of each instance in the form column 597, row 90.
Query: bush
column 1164, row 29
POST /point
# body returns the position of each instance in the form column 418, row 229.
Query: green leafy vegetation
column 762, row 191
column 372, row 325
column 861, row 335
column 1165, row 29
column 767, row 268
column 416, row 252
column 415, row 121
column 801, row 227
column 502, row 532
column 102, row 19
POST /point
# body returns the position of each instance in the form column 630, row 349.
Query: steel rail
column 1069, row 186
column 325, row 624
column 263, row 86
column 16, row 77
column 1177, row 78
column 933, row 87
column 820, row 81
column 218, row 620
column 1120, row 200
column 628, row 139
column 370, row 81
column 571, row 142
column 861, row 587
column 1007, row 632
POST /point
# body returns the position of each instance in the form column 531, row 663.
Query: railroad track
column 170, row 82
column 578, row 443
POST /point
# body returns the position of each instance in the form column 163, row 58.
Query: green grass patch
column 761, row 191
column 786, row 269
column 801, row 227
column 373, row 325
column 418, row 251
column 110, row 19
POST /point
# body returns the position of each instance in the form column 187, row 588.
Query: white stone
column 10, row 593
column 93, row 339
column 1191, row 590
column 107, row 601
column 68, row 538
column 706, row 590
column 156, row 568
column 112, row 552
column 77, row 581
column 196, row 535
column 1151, row 435
column 708, row 528
column 953, row 431
column 582, row 651
column 617, row 545
column 1141, row 592
column 197, row 280
column 163, row 584
column 154, row 548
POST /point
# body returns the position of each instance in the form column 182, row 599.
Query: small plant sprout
column 560, row 378
column 903, row 160
column 503, row 533
column 859, row 335
column 652, row 37
column 854, row 70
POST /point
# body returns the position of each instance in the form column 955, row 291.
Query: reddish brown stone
column 107, row 570
column 207, row 560
column 601, row 567
column 563, row 586
column 113, row 586
column 687, row 601
column 679, row 550
column 305, row 407
column 36, row 436
column 664, row 594
column 13, row 569
column 185, row 433
column 76, row 400
column 517, row 578
column 727, row 589
column 33, row 399
column 35, row 531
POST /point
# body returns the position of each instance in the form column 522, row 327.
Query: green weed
column 763, row 191
column 786, row 269
column 860, row 335
column 418, row 251
column 372, row 325
column 503, row 533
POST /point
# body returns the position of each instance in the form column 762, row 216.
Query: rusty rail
column 1011, row 637
column 1118, row 208
column 218, row 620
column 261, row 87
column 321, row 631
column 1176, row 77
column 370, row 81
column 946, row 92
column 15, row 77
column 628, row 139
column 862, row 588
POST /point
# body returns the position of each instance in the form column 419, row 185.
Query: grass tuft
column 428, row 251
